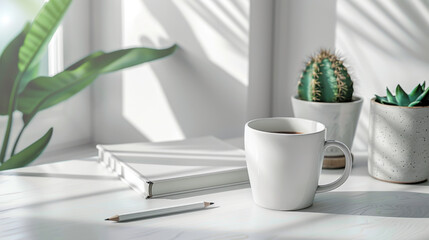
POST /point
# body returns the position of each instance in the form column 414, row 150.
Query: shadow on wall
column 385, row 43
column 214, row 21
column 206, row 100
column 113, row 127
column 205, row 95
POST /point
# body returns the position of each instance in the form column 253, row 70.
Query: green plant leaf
column 44, row 92
column 382, row 100
column 422, row 100
column 85, row 59
column 423, row 85
column 391, row 99
column 29, row 75
column 402, row 97
column 379, row 99
column 41, row 31
column 415, row 93
column 9, row 68
column 124, row 58
column 30, row 153
column 414, row 104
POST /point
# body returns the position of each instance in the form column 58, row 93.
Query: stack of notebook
column 167, row 168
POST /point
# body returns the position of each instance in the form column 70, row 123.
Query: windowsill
column 77, row 152
column 90, row 151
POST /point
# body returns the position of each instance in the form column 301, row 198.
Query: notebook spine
column 126, row 173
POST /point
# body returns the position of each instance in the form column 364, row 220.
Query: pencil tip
column 211, row 203
column 106, row 219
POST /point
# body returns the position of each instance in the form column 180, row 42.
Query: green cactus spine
column 325, row 79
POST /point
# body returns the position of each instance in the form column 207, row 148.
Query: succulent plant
column 419, row 96
column 325, row 79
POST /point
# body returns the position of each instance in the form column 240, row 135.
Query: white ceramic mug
column 284, row 168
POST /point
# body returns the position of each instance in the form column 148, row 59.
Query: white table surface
column 70, row 200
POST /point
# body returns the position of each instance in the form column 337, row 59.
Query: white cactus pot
column 398, row 143
column 340, row 120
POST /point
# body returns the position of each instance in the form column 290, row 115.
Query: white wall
column 385, row 43
column 108, row 123
column 205, row 87
column 261, row 39
column 200, row 90
column 301, row 28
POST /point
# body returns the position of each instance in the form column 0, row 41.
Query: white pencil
column 159, row 211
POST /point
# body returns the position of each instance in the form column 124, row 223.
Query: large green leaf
column 30, row 153
column 29, row 75
column 125, row 58
column 41, row 31
column 49, row 91
column 44, row 92
column 9, row 68
column 85, row 59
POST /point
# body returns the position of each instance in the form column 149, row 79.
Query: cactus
column 418, row 97
column 325, row 79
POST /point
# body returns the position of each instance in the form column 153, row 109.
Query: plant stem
column 11, row 109
column 17, row 140
column 6, row 138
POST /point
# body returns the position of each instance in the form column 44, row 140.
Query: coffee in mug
column 289, row 132
column 284, row 160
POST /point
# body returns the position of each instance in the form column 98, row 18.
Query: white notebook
column 166, row 168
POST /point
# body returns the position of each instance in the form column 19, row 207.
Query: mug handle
column 347, row 168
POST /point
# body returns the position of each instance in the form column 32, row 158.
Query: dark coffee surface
column 285, row 132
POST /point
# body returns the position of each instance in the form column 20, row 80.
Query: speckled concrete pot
column 340, row 120
column 398, row 143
